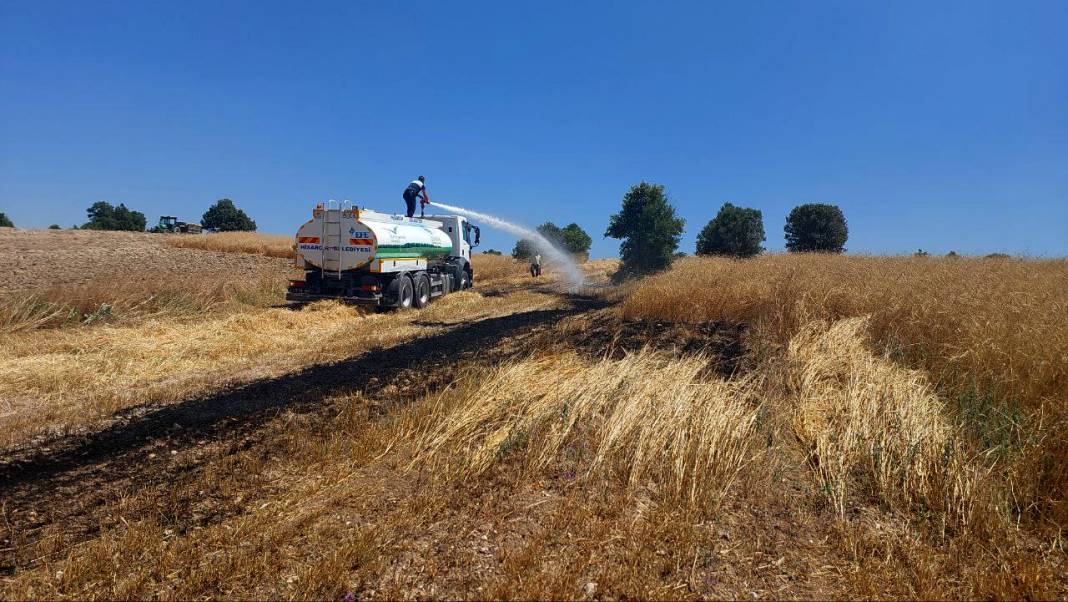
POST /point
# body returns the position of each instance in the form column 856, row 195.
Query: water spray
column 571, row 270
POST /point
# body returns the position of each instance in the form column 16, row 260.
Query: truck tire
column 399, row 292
column 421, row 291
column 407, row 292
column 463, row 278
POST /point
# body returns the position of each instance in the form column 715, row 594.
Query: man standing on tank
column 412, row 192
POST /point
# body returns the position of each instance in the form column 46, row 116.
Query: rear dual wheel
column 400, row 292
column 422, row 290
column 410, row 291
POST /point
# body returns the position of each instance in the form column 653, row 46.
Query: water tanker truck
column 389, row 261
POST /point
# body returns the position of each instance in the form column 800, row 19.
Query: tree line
column 223, row 216
column 650, row 231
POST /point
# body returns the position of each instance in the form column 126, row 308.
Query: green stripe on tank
column 409, row 251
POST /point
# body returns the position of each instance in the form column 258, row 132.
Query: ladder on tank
column 330, row 238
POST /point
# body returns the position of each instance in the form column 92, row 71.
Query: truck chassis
column 398, row 290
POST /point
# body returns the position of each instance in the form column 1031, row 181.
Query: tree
column 816, row 227
column 5, row 221
column 104, row 216
column 735, row 231
column 551, row 232
column 55, row 227
column 649, row 229
column 525, row 248
column 224, row 216
column 575, row 240
column 491, row 252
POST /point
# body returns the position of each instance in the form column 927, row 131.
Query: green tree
column 525, row 248
column 491, row 252
column 105, row 216
column 551, row 232
column 649, row 229
column 224, row 216
column 735, row 231
column 55, row 227
column 816, row 227
column 5, row 221
column 575, row 240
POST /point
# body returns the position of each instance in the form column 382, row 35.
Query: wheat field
column 792, row 426
column 255, row 243
column 990, row 335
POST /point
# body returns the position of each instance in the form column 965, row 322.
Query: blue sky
column 941, row 125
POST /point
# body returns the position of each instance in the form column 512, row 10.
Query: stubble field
column 786, row 427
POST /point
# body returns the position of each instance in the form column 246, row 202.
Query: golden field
column 256, row 243
column 991, row 335
column 783, row 427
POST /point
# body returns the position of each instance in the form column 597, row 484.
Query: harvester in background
column 389, row 261
column 170, row 223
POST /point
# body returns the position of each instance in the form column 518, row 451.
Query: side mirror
column 478, row 233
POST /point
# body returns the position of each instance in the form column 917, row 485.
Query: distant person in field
column 415, row 188
column 535, row 265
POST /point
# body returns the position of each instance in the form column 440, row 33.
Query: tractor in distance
column 170, row 223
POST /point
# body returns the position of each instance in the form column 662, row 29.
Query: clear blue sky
column 941, row 125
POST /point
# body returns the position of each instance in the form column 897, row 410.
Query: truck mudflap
column 310, row 297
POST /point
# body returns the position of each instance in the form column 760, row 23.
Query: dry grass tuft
column 255, row 243
column 645, row 419
column 859, row 414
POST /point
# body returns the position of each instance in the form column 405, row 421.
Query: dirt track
column 38, row 260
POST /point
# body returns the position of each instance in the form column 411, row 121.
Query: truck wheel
column 422, row 290
column 398, row 293
column 405, row 293
column 461, row 278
